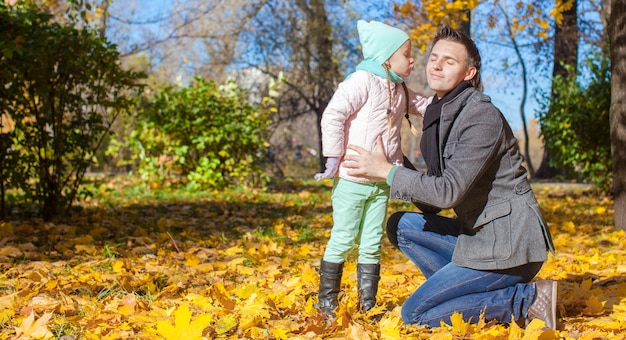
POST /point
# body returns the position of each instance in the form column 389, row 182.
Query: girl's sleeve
column 346, row 101
column 420, row 102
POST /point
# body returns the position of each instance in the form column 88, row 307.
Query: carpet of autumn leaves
column 135, row 263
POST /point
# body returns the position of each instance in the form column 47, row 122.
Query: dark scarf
column 429, row 145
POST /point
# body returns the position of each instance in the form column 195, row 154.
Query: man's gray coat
column 484, row 182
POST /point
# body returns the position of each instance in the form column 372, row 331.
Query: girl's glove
column 332, row 164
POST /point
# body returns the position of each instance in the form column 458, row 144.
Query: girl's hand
column 332, row 165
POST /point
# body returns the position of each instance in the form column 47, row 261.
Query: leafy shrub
column 62, row 88
column 575, row 125
column 204, row 134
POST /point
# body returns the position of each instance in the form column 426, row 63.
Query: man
column 483, row 260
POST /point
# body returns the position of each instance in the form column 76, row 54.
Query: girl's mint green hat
column 379, row 41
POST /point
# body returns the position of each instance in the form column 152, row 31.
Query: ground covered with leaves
column 134, row 263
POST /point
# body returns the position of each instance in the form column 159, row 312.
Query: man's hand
column 372, row 165
column 332, row 164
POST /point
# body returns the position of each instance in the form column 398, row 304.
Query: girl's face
column 401, row 61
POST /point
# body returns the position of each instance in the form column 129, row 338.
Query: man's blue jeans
column 429, row 240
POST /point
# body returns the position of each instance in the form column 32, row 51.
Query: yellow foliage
column 561, row 6
column 594, row 306
column 235, row 250
column 515, row 332
column 213, row 285
column 183, row 328
column 7, row 124
column 253, row 312
column 225, row 324
column 390, row 327
column 128, row 305
column 459, row 327
column 357, row 332
column 279, row 229
column 191, row 260
column 34, row 329
column 429, row 15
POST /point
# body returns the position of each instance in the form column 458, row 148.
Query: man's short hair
column 472, row 54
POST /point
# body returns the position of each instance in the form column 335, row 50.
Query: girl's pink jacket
column 357, row 114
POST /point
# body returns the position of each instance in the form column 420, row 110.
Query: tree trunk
column 465, row 26
column 102, row 29
column 522, row 106
column 2, row 205
column 320, row 31
column 565, row 53
column 617, row 36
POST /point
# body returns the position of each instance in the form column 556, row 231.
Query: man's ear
column 470, row 73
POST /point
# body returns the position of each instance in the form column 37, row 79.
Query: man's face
column 446, row 67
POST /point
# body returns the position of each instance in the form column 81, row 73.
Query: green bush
column 202, row 135
column 575, row 125
column 62, row 88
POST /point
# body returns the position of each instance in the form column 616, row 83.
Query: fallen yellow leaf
column 184, row 328
column 594, row 306
column 31, row 329
column 459, row 326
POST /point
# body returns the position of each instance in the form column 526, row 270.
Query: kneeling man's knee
column 392, row 227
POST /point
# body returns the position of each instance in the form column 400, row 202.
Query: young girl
column 370, row 102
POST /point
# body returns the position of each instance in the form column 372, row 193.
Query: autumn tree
column 251, row 41
column 188, row 39
column 520, row 33
column 527, row 29
column 63, row 88
column 565, row 55
column 208, row 34
column 426, row 17
column 302, row 44
column 538, row 33
column 318, row 61
column 574, row 122
column 617, row 36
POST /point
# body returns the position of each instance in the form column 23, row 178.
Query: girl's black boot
column 368, row 275
column 330, row 285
